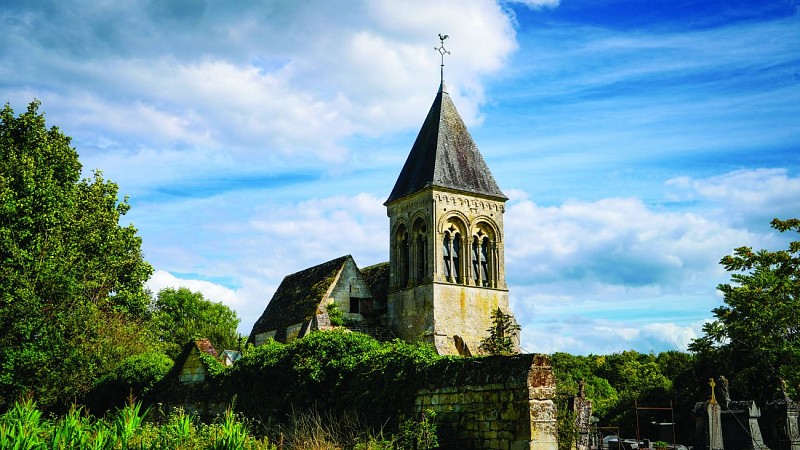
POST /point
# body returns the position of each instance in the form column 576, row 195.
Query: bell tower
column 447, row 272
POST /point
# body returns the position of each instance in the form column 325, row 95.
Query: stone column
column 582, row 407
column 541, row 391
column 714, row 425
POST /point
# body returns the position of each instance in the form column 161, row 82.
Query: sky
column 638, row 141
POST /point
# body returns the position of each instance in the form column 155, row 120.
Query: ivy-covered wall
column 479, row 401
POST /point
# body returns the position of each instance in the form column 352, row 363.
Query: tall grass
column 23, row 427
column 312, row 431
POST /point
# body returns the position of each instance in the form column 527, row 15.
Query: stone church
column 445, row 274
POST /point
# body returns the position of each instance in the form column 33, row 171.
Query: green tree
column 637, row 377
column 135, row 375
column 502, row 335
column 569, row 370
column 71, row 278
column 755, row 337
column 180, row 315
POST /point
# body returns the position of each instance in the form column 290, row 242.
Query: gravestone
column 782, row 416
column 727, row 424
column 740, row 428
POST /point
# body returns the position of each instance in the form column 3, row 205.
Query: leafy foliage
column 615, row 382
column 419, row 434
column 502, row 335
column 329, row 370
column 180, row 315
column 755, row 337
column 335, row 314
column 135, row 376
column 71, row 279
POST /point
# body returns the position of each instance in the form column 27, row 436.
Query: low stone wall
column 493, row 403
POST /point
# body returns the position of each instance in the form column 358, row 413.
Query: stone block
column 506, row 435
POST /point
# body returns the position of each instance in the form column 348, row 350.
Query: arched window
column 457, row 257
column 405, row 261
column 484, row 258
column 400, row 269
column 422, row 257
column 476, row 269
column 420, row 251
column 446, row 255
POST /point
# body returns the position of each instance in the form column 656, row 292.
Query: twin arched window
column 412, row 254
column 464, row 261
column 481, row 265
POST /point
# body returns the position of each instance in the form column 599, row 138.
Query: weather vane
column 442, row 51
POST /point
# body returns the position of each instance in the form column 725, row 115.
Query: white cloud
column 162, row 279
column 264, row 82
column 249, row 300
column 616, row 273
column 743, row 195
column 614, row 241
column 607, row 336
column 537, row 4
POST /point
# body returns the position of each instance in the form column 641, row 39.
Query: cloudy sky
column 639, row 141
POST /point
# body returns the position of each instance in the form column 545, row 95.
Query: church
column 445, row 276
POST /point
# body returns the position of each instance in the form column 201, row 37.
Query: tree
column 755, row 337
column 502, row 335
column 135, row 376
column 180, row 315
column 71, row 279
column 569, row 370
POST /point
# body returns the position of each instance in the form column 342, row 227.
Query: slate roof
column 377, row 279
column 444, row 155
column 298, row 297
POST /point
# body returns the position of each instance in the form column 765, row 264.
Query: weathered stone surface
column 783, row 428
column 734, row 427
column 582, row 408
column 505, row 402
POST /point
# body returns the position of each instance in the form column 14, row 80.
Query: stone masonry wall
column 494, row 403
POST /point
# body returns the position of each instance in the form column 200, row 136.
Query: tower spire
column 442, row 51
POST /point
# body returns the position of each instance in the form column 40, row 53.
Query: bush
column 135, row 376
column 337, row 372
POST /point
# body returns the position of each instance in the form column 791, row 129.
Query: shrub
column 501, row 335
column 135, row 376
column 337, row 372
column 419, row 435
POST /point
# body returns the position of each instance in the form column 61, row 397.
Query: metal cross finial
column 713, row 397
column 442, row 51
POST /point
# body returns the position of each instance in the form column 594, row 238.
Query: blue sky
column 639, row 141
